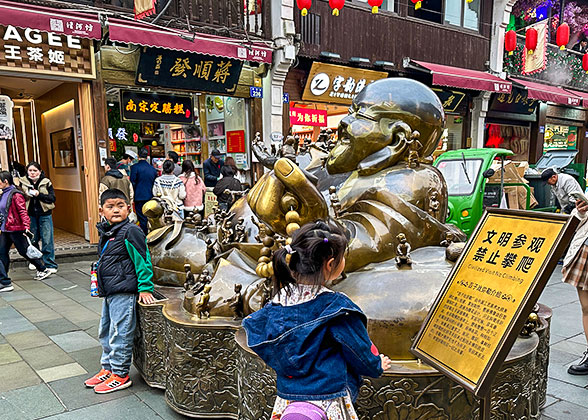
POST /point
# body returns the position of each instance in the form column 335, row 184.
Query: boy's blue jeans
column 116, row 333
column 42, row 228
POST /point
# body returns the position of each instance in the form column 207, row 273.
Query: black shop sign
column 155, row 107
column 516, row 102
column 188, row 71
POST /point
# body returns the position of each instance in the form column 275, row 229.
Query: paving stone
column 48, row 296
column 570, row 347
column 15, row 295
column 28, row 339
column 89, row 359
column 61, row 372
column 561, row 374
column 15, row 326
column 17, row 375
column 75, row 395
column 564, row 410
column 75, row 340
column 58, row 282
column 154, row 398
column 560, row 358
column 2, row 339
column 39, row 314
column 31, row 303
column 580, row 339
column 9, row 313
column 549, row 400
column 567, row 392
column 30, row 403
column 46, row 357
column 559, row 294
column 567, row 319
column 57, row 326
column 555, row 338
column 128, row 408
column 8, row 354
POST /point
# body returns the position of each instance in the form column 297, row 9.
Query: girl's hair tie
column 289, row 251
column 325, row 239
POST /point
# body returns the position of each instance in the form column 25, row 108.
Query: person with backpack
column 195, row 188
column 15, row 224
column 40, row 195
column 228, row 182
column 315, row 339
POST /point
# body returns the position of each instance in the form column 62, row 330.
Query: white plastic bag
column 32, row 252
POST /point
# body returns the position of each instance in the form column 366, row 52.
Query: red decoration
column 112, row 145
column 417, row 4
column 510, row 41
column 562, row 36
column 531, row 40
column 336, row 5
column 585, row 62
column 236, row 141
column 375, row 4
column 304, row 5
column 308, row 116
column 135, row 137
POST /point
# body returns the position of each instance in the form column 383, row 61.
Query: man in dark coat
column 212, row 168
column 142, row 177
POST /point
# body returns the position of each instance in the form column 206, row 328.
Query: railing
column 563, row 67
column 223, row 17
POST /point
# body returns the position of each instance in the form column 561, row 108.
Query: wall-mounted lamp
column 359, row 60
column 330, row 55
column 381, row 63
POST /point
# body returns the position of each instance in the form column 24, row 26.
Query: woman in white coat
column 575, row 272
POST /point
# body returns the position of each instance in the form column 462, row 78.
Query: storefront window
column 387, row 5
column 471, row 15
column 452, row 12
column 513, row 137
column 560, row 137
column 227, row 129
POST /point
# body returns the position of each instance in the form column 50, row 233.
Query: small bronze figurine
column 228, row 232
column 434, row 204
column 531, row 324
column 403, row 251
column 288, row 150
column 448, row 240
column 266, row 291
column 210, row 252
column 240, row 233
column 190, row 279
column 264, row 230
column 204, row 280
column 335, row 202
column 203, row 306
column 414, row 146
column 236, row 302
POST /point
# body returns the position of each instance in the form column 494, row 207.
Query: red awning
column 543, row 92
column 583, row 95
column 465, row 78
column 173, row 39
column 47, row 19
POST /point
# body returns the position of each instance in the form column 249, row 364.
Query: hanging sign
column 188, row 71
column 489, row 294
column 235, row 141
column 6, row 105
column 515, row 102
column 337, row 84
column 307, row 116
column 34, row 52
column 155, row 107
column 451, row 99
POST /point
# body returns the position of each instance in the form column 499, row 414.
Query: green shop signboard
column 188, row 71
column 562, row 137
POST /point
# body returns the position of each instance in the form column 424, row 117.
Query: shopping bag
column 32, row 252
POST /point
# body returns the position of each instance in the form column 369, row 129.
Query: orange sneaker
column 114, row 383
column 98, row 378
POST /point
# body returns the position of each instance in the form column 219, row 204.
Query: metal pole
column 562, row 6
column 501, row 181
column 485, row 406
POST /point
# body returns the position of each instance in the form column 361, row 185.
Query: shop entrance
column 47, row 130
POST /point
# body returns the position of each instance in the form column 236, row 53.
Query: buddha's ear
column 398, row 133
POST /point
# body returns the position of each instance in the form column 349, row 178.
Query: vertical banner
column 536, row 62
column 6, row 105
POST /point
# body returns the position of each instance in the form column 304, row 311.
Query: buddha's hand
column 284, row 189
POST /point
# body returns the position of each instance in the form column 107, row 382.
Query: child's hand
column 386, row 362
column 146, row 298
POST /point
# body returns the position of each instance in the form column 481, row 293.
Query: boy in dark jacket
column 227, row 182
column 142, row 177
column 124, row 270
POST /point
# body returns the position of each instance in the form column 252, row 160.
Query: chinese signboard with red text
column 235, row 141
column 154, row 107
column 307, row 116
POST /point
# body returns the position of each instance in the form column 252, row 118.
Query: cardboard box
column 512, row 197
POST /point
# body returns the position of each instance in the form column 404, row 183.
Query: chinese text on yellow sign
column 486, row 292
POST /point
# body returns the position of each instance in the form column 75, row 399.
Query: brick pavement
column 48, row 347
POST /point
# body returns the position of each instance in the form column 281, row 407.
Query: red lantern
column 417, row 4
column 304, row 5
column 336, row 5
column 510, row 41
column 585, row 62
column 375, row 4
column 531, row 40
column 562, row 36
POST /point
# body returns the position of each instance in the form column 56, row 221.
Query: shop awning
column 583, row 95
column 47, row 19
column 543, row 92
column 173, row 39
column 462, row 78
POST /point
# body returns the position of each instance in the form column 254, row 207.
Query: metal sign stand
column 485, row 406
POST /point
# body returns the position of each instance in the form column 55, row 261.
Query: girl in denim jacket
column 315, row 339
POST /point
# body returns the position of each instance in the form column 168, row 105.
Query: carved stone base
column 208, row 371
